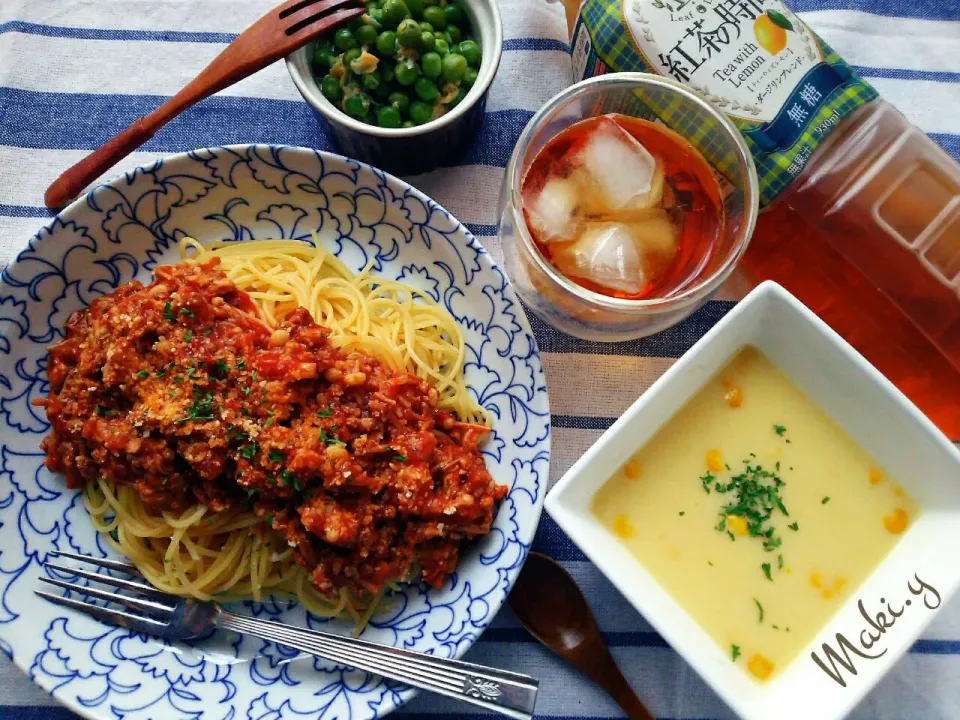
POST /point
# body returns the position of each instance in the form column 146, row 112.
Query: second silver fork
column 153, row 612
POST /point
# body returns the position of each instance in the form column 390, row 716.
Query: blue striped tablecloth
column 74, row 72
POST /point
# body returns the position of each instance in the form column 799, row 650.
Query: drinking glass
column 568, row 306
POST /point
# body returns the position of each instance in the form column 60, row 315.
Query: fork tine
column 316, row 6
column 117, row 617
column 107, row 579
column 148, row 606
column 100, row 562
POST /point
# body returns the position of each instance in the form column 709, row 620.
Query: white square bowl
column 916, row 578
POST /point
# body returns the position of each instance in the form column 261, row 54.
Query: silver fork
column 153, row 612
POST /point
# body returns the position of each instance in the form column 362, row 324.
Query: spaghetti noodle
column 210, row 550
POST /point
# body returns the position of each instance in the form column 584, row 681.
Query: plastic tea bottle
column 885, row 268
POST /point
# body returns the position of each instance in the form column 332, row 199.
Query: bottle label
column 780, row 84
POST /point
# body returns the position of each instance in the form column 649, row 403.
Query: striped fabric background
column 74, row 72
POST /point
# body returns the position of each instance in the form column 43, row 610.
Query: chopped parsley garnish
column 269, row 422
column 253, row 376
column 681, row 513
column 219, row 369
column 241, row 364
column 766, row 571
column 104, row 411
column 115, row 535
column 143, row 374
column 759, row 608
column 296, row 484
column 168, row 313
column 236, row 435
column 326, row 412
column 163, row 370
column 187, row 313
column 755, row 496
column 735, row 652
column 330, row 439
column 270, row 520
column 825, row 500
column 276, row 456
column 398, row 455
column 709, row 563
column 779, row 429
column 208, row 331
column 288, row 478
column 188, row 335
column 246, row 390
column 203, row 407
column 250, row 450
column 794, row 526
column 779, row 562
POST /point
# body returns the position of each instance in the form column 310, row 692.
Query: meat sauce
column 179, row 390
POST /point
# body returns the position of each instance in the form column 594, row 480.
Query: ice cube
column 624, row 173
column 623, row 257
column 553, row 210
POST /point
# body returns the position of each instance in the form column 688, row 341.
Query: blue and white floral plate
column 123, row 230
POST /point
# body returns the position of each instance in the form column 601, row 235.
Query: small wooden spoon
column 272, row 37
column 552, row 608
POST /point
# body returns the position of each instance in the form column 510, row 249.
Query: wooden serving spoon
column 274, row 36
column 552, row 608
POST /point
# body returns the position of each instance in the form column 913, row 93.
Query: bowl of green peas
column 404, row 86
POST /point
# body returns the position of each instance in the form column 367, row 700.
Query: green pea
column 399, row 100
column 323, row 57
column 371, row 6
column 455, row 33
column 388, row 117
column 431, row 65
column 408, row 34
column 377, row 17
column 469, row 77
column 355, row 24
column 415, row 7
column 436, row 17
column 344, row 39
column 455, row 14
column 407, row 124
column 367, row 35
column 357, row 105
column 445, row 36
column 454, row 67
column 430, row 3
column 350, row 55
column 426, row 89
column 387, row 43
column 461, row 94
column 330, row 87
column 394, row 11
column 407, row 72
column 371, row 81
column 386, row 69
column 441, row 47
column 420, row 112
column 425, row 26
column 471, row 51
column 427, row 41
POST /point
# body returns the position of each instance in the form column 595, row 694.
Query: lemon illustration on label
column 770, row 30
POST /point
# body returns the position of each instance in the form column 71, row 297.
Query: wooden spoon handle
column 626, row 698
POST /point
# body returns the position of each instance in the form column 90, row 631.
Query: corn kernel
column 737, row 524
column 839, row 584
column 715, row 460
column 898, row 491
column 816, row 580
column 827, row 594
column 760, row 667
column 633, row 469
column 622, row 527
column 896, row 522
column 875, row 475
column 734, row 397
